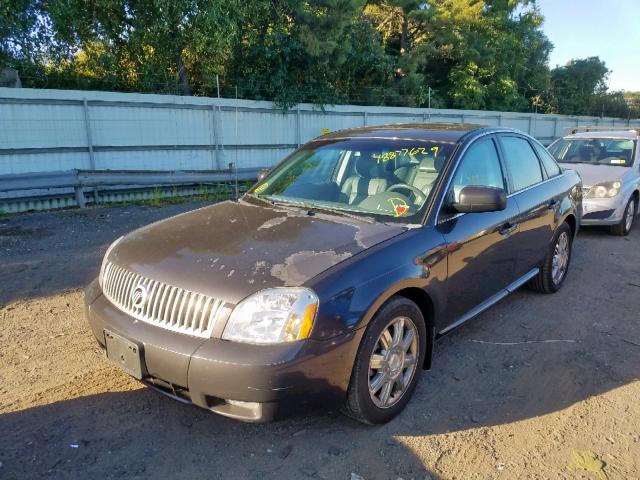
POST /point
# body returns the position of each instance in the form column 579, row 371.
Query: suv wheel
column 624, row 227
column 388, row 364
column 556, row 265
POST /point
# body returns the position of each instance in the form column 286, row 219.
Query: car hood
column 592, row 174
column 232, row 249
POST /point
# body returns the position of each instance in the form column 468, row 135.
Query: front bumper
column 248, row 382
column 602, row 211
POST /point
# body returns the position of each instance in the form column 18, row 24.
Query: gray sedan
column 609, row 166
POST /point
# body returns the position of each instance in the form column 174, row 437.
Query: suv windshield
column 365, row 176
column 601, row 151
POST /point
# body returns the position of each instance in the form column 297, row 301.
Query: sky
column 609, row 29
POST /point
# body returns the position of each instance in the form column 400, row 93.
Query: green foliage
column 474, row 54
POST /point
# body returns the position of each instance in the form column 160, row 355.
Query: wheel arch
column 425, row 303
column 573, row 223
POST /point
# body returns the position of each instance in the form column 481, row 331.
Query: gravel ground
column 536, row 387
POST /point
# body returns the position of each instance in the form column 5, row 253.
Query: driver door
column 482, row 257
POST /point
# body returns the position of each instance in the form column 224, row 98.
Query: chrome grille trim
column 166, row 306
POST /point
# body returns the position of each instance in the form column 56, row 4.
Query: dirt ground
column 536, row 387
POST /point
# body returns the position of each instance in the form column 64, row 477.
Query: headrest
column 431, row 164
column 427, row 165
column 586, row 151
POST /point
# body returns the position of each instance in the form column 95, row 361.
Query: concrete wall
column 53, row 130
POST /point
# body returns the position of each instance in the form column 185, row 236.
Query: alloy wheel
column 393, row 362
column 631, row 211
column 560, row 258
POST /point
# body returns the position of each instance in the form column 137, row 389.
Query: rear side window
column 521, row 161
column 548, row 161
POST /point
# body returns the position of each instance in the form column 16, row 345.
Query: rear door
column 482, row 254
column 535, row 197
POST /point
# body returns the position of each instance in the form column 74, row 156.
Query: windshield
column 601, row 151
column 392, row 178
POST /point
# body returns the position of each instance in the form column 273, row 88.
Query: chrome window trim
column 457, row 215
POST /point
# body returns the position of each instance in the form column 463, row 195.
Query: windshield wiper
column 322, row 209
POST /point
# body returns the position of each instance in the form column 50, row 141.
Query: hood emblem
column 139, row 296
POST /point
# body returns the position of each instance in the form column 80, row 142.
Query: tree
column 472, row 54
column 576, row 83
column 151, row 44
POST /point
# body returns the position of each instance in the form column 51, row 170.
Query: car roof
column 613, row 134
column 445, row 132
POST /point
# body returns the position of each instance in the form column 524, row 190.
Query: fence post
column 87, row 129
column 462, row 119
column 298, row 126
column 92, row 157
column 500, row 120
column 219, row 141
column 364, row 118
column 80, row 197
column 216, row 160
column 555, row 127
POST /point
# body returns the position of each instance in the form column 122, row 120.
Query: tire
column 547, row 280
column 394, row 366
column 626, row 224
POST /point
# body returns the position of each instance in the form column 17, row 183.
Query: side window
column 479, row 166
column 521, row 161
column 548, row 161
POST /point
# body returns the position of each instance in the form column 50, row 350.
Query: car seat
column 368, row 179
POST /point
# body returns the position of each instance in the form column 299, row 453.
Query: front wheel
column 388, row 363
column 556, row 264
column 624, row 227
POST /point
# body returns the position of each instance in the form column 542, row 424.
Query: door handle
column 507, row 228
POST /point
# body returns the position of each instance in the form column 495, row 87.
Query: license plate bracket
column 124, row 353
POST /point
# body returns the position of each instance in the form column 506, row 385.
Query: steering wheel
column 419, row 196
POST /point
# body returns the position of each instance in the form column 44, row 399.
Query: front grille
column 160, row 304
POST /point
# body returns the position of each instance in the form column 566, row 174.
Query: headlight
column 104, row 259
column 605, row 190
column 274, row 315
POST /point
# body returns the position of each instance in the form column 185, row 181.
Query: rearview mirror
column 475, row 198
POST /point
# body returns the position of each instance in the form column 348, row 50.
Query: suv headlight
column 104, row 259
column 605, row 190
column 274, row 315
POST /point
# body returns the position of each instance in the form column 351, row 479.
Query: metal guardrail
column 81, row 179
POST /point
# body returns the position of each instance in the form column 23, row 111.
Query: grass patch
column 162, row 197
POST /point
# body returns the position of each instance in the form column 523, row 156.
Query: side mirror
column 263, row 173
column 475, row 198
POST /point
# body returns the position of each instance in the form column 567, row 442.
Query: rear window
column 521, row 161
